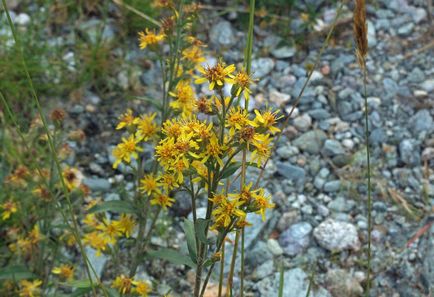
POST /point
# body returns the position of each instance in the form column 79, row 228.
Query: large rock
column 422, row 121
column 336, row 236
column 409, row 152
column 311, row 141
column 222, row 34
column 294, row 173
column 296, row 239
column 295, row 284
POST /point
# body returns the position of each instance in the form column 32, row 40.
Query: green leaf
column 171, row 255
column 191, row 239
column 151, row 101
column 81, row 283
column 201, row 227
column 80, row 292
column 120, row 206
column 112, row 292
column 230, row 170
column 17, row 272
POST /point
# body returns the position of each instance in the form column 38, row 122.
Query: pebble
column 222, row 34
column 303, row 122
column 22, row 19
column 341, row 283
column 406, row 29
column 293, row 173
column 274, row 247
column 422, row 121
column 283, row 52
column 332, row 186
column 337, row 236
column 332, row 148
column 296, row 239
column 311, row 141
column 428, row 85
column 409, row 152
column 279, row 98
column 262, row 66
column 97, row 184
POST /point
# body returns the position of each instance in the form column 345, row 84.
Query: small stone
column 22, row 19
column 97, row 262
column 303, row 122
column 332, row 186
column 293, row 173
column 418, row 14
column 287, row 219
column 311, row 141
column 222, row 34
column 97, row 184
column 406, row 29
column 274, row 247
column 332, row 148
column 342, row 283
column 263, row 270
column 341, row 204
column 337, row 236
column 422, row 121
column 296, row 239
column 348, row 143
column 428, row 85
column 372, row 36
column 409, row 152
column 279, row 98
column 283, row 52
column 262, row 66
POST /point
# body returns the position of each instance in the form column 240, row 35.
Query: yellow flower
column 162, row 200
column 65, row 272
column 127, row 120
column 30, row 289
column 262, row 149
column 193, row 54
column 149, row 38
column 126, row 225
column 97, row 241
column 237, row 119
column 267, row 120
column 18, row 177
column 172, row 128
column 35, row 235
column 142, row 288
column 242, row 82
column 226, row 211
column 213, row 150
column 261, row 202
column 110, row 229
column 72, row 177
column 166, row 152
column 185, row 100
column 90, row 220
column 149, row 183
column 123, row 284
column 245, row 195
column 126, row 150
column 9, row 207
column 146, row 126
column 216, row 75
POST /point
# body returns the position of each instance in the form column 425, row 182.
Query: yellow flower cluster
column 126, row 285
column 103, row 232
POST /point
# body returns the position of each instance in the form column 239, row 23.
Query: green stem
column 368, row 159
column 242, row 262
column 222, row 269
column 234, row 259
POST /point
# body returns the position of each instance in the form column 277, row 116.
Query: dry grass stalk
column 360, row 32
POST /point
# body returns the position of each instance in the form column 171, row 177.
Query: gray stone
column 292, row 172
column 378, row 136
column 262, row 66
column 97, row 262
column 406, row 29
column 97, row 184
column 283, row 52
column 311, row 141
column 390, row 87
column 296, row 239
column 279, row 98
column 22, row 19
column 296, row 283
column 416, row 75
column 92, row 28
column 428, row 85
column 319, row 114
column 332, row 186
column 274, row 247
column 303, row 122
column 258, row 254
column 372, row 36
column 222, row 34
column 336, row 235
column 340, row 204
column 409, row 152
column 422, row 121
column 332, row 148
column 342, row 283
column 263, row 270
column 418, row 14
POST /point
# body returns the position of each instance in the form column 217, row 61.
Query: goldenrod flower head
column 150, row 38
column 126, row 150
column 142, row 288
column 97, row 241
column 90, row 220
column 261, row 202
column 30, row 289
column 168, row 181
column 9, row 207
column 166, row 152
column 72, row 177
column 213, row 150
column 216, row 75
column 123, row 284
column 149, row 184
column 193, row 54
column 126, row 225
column 35, row 235
column 245, row 195
column 162, row 200
column 110, row 229
column 262, row 149
column 226, row 211
column 185, row 100
column 268, row 119
column 237, row 119
column 172, row 128
column 185, row 144
column 242, row 81
column 162, row 3
column 127, row 120
column 42, row 192
column 18, row 177
column 64, row 271
column 146, row 126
